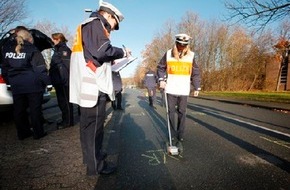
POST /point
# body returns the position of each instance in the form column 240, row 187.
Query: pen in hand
column 128, row 52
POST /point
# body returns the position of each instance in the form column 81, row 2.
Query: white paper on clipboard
column 119, row 64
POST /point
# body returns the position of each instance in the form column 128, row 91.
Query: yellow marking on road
column 164, row 158
column 173, row 157
column 154, row 159
column 159, row 150
column 281, row 143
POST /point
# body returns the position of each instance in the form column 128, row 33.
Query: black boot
column 150, row 101
column 114, row 105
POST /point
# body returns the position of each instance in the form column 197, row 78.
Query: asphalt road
column 227, row 146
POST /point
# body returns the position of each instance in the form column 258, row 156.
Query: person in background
column 24, row 69
column 161, row 90
column 150, row 83
column 179, row 65
column 117, row 85
column 59, row 74
column 91, row 82
column 10, row 39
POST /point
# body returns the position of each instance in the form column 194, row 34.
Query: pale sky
column 143, row 18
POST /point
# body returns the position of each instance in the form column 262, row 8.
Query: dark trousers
column 181, row 103
column 162, row 97
column 62, row 94
column 92, row 134
column 21, row 103
column 117, row 103
column 151, row 95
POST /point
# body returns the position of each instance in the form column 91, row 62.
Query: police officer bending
column 25, row 70
column 91, row 82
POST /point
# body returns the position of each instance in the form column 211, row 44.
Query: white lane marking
column 249, row 123
column 259, row 126
column 39, row 151
column 252, row 160
column 109, row 117
column 281, row 143
column 197, row 113
column 137, row 114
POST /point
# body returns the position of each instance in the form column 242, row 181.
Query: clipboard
column 119, row 64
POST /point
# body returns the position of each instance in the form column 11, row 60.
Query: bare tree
column 49, row 28
column 285, row 29
column 11, row 11
column 258, row 12
column 230, row 58
column 155, row 50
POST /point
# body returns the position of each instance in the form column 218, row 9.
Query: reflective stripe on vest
column 84, row 83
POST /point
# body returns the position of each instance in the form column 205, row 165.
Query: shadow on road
column 141, row 163
column 263, row 154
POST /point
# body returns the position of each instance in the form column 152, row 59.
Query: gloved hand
column 195, row 93
column 162, row 84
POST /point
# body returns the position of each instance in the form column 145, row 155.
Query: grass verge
column 281, row 97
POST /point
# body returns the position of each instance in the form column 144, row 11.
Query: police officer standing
column 25, row 70
column 117, row 84
column 150, row 83
column 179, row 65
column 91, row 82
column 59, row 74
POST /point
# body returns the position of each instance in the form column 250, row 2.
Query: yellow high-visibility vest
column 178, row 74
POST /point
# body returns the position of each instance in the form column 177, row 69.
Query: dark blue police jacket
column 26, row 72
